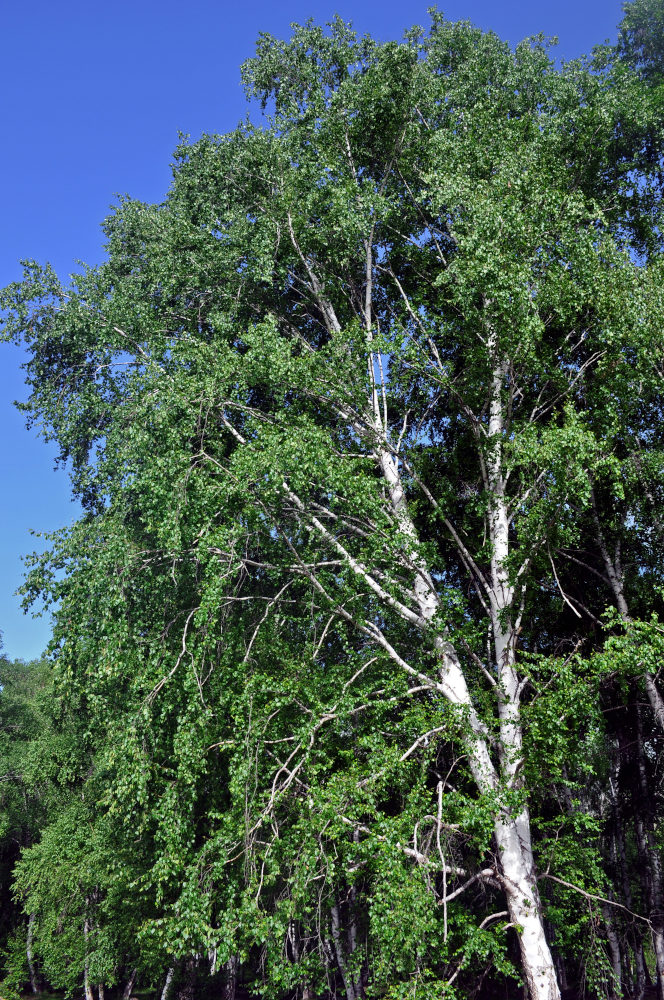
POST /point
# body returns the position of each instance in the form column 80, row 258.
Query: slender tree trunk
column 658, row 943
column 346, row 977
column 640, row 969
column 168, row 983
column 129, row 986
column 87, row 988
column 292, row 937
column 561, row 970
column 512, row 833
column 358, row 986
column 28, row 948
column 615, row 954
column 230, row 979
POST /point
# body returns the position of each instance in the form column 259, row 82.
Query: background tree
column 640, row 39
column 24, row 801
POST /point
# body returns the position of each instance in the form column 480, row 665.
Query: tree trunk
column 512, row 833
column 655, row 699
column 230, row 979
column 358, row 986
column 168, row 983
column 129, row 987
column 651, row 862
column 641, row 972
column 87, row 988
column 346, row 977
column 187, row 986
column 28, row 948
column 525, row 909
column 561, row 970
column 614, row 951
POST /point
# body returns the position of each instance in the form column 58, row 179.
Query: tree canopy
column 357, row 649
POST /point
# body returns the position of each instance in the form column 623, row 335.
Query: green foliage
column 640, row 41
column 435, row 266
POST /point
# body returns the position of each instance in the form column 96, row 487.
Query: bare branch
column 593, row 896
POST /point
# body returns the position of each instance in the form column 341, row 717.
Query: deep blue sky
column 93, row 96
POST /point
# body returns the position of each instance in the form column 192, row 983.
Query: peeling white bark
column 525, row 909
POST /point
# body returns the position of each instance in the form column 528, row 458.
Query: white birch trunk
column 512, row 834
column 230, row 983
column 167, row 985
column 525, row 909
column 87, row 988
column 31, row 966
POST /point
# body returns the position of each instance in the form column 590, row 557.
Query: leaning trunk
column 165, row 993
column 129, row 986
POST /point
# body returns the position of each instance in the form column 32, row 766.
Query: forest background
column 354, row 685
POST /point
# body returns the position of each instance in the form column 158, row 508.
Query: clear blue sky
column 93, row 96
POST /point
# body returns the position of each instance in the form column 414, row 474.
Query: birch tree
column 327, row 410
